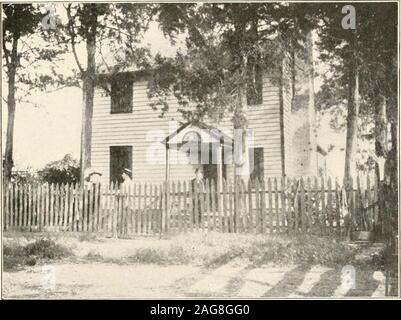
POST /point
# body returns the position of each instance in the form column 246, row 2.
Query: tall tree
column 372, row 44
column 122, row 25
column 21, row 22
column 225, row 45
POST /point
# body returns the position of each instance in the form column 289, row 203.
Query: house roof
column 130, row 75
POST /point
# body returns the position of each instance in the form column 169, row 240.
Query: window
column 120, row 158
column 254, row 93
column 257, row 158
column 121, row 94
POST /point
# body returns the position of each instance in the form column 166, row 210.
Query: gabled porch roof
column 207, row 133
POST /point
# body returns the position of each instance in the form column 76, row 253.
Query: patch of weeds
column 87, row 237
column 221, row 258
column 301, row 250
column 17, row 256
column 148, row 255
column 178, row 255
column 46, row 249
column 95, row 257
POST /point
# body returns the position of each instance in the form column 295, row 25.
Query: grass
column 203, row 249
column 16, row 256
column 214, row 249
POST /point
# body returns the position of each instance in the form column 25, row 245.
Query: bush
column 46, row 249
column 66, row 170
column 16, row 256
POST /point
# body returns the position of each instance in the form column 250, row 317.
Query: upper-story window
column 254, row 93
column 121, row 94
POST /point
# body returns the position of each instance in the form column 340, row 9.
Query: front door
column 120, row 158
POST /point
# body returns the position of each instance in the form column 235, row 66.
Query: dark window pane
column 121, row 95
column 257, row 158
column 120, row 158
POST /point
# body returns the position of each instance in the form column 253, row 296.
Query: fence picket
column 71, row 203
column 207, row 205
column 80, row 206
column 212, row 196
column 25, row 197
column 6, row 211
column 230, row 205
column 338, row 208
column 251, row 224
column 12, row 206
column 316, row 196
column 283, row 205
column 302, row 205
column 35, row 223
column 179, row 211
column 271, row 213
column 258, row 208
column 56, row 205
column 202, row 197
column 309, row 209
column 61, row 197
column 369, row 214
column 184, row 214
column 277, row 206
column 375, row 200
column 45, row 205
column 224, row 199
column 244, row 207
column 329, row 204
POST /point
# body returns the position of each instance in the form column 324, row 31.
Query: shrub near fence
column 271, row 206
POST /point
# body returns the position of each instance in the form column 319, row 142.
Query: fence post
column 114, row 203
column 338, row 209
column 283, row 205
column 271, row 216
column 251, row 219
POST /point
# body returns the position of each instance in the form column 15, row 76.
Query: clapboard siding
column 144, row 128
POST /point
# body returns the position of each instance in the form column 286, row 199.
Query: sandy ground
column 79, row 278
column 236, row 279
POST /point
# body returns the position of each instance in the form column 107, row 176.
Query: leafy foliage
column 224, row 44
column 66, row 170
column 16, row 256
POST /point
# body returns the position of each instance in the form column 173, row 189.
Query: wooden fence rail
column 277, row 205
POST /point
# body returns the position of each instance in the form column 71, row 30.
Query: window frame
column 129, row 87
column 261, row 164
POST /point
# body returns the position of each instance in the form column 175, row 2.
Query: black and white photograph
column 200, row 150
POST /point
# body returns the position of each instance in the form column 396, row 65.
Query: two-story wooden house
column 128, row 133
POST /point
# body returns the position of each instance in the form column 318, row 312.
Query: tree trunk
column 311, row 108
column 241, row 148
column 352, row 118
column 11, row 105
column 381, row 141
column 8, row 161
column 88, row 89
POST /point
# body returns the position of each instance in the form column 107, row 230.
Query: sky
column 52, row 128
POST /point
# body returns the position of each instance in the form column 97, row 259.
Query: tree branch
column 73, row 35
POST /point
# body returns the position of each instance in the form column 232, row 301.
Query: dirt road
column 234, row 279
